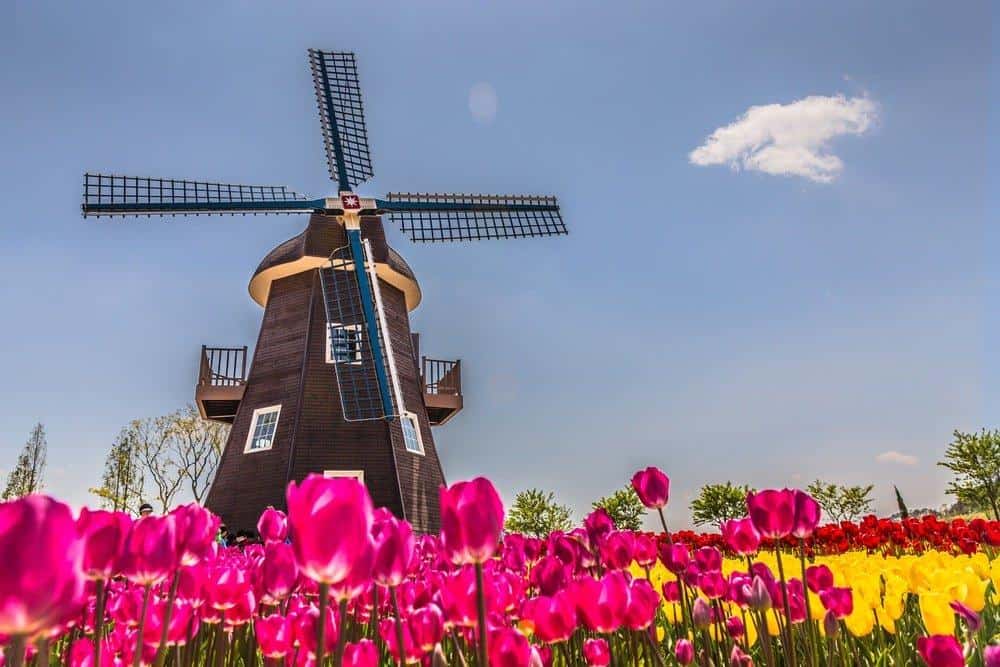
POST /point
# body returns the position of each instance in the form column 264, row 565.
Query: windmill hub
column 336, row 385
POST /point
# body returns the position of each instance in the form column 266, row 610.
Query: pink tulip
column 387, row 630
column 330, row 520
column 596, row 653
column 819, row 578
column 642, row 605
column 739, row 658
column 394, row 551
column 183, row 623
column 713, row 585
column 272, row 525
column 675, row 557
column 735, row 627
column 701, row 614
column 103, row 534
column 940, row 651
column 361, row 654
column 471, row 520
column 597, row 524
column 645, row 550
column 708, row 559
column 81, row 653
column 991, row 655
column 426, row 627
column 509, row 648
column 652, row 486
column 278, row 573
column 554, row 617
column 458, row 597
column 741, row 536
column 191, row 584
column 196, row 529
column 807, row 515
column 757, row 595
column 616, row 549
column 151, row 550
column 360, row 578
column 972, row 619
column 549, row 575
column 226, row 586
column 274, row 635
column 838, row 600
column 602, row 604
column 41, row 557
column 307, row 623
column 772, row 512
column 684, row 651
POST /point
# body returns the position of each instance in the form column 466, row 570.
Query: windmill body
column 336, row 385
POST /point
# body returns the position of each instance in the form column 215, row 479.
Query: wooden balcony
column 442, row 389
column 222, row 379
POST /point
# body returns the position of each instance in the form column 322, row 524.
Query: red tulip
column 331, row 521
column 471, row 520
column 426, row 627
column 772, row 512
column 554, row 617
column 940, row 651
column 278, row 572
column 151, row 550
column 394, row 551
column 103, row 534
column 652, row 486
column 807, row 515
column 596, row 653
column 509, row 648
column 684, row 651
column 361, row 654
column 274, row 635
column 272, row 525
column 741, row 536
column 196, row 529
column 41, row 578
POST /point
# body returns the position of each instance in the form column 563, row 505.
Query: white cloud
column 789, row 139
column 483, row 103
column 892, row 456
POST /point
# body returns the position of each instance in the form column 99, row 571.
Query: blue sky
column 719, row 323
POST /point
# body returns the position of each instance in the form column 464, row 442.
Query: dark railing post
column 243, row 370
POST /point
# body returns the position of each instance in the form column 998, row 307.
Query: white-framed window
column 263, row 427
column 411, row 433
column 356, row 474
column 343, row 343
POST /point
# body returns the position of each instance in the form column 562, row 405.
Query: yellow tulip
column 938, row 617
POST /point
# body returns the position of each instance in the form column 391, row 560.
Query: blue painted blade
column 342, row 117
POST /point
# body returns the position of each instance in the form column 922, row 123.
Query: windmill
column 335, row 385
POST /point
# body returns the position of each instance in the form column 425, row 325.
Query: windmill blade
column 135, row 195
column 450, row 217
column 342, row 116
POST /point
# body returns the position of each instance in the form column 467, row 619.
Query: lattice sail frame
column 357, row 382
column 426, row 217
column 342, row 117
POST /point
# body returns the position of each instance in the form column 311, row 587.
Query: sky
column 780, row 264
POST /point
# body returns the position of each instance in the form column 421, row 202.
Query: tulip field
column 338, row 582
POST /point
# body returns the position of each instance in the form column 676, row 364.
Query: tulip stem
column 654, row 650
column 481, row 608
column 161, row 651
column 663, row 521
column 338, row 656
column 399, row 626
column 15, row 651
column 137, row 658
column 324, row 593
column 810, row 624
column 790, row 648
column 98, row 621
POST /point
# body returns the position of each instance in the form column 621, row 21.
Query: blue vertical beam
column 371, row 323
column 338, row 148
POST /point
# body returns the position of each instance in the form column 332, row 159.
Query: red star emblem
column 350, row 202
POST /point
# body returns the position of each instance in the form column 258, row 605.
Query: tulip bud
column 361, row 654
column 971, row 618
column 652, row 486
column 991, row 656
column 471, row 521
column 734, row 626
column 273, row 525
column 701, row 614
column 831, row 626
column 684, row 651
column 738, row 658
column 596, row 653
column 757, row 596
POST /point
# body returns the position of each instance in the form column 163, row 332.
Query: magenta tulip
column 554, row 617
column 840, row 601
column 741, row 536
column 642, row 605
column 940, row 651
column 274, row 635
column 471, row 521
column 972, row 619
column 361, row 654
column 596, row 653
column 807, row 514
column 81, row 653
column 330, row 520
column 597, row 524
column 151, row 550
column 509, row 648
column 675, row 557
column 426, row 627
column 41, row 557
column 991, row 655
column 772, row 512
column 278, row 573
column 684, row 651
column 602, row 604
column 701, row 614
column 652, row 486
column 195, row 530
column 819, row 578
column 306, row 625
column 394, row 551
column 103, row 534
column 616, row 549
column 272, row 525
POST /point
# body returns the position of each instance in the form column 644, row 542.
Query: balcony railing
column 223, row 366
column 442, row 377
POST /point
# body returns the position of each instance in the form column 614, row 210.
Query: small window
column 343, row 344
column 263, row 426
column 411, row 433
column 356, row 474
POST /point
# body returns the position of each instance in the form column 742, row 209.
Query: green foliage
column 717, row 503
column 123, row 480
column 537, row 513
column 26, row 477
column 903, row 512
column 624, row 508
column 974, row 459
column 842, row 503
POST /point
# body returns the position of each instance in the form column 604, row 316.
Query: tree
column 26, row 477
column 153, row 438
column 123, row 481
column 536, row 513
column 842, row 503
column 624, row 508
column 717, row 503
column 974, row 459
column 198, row 445
column 904, row 513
